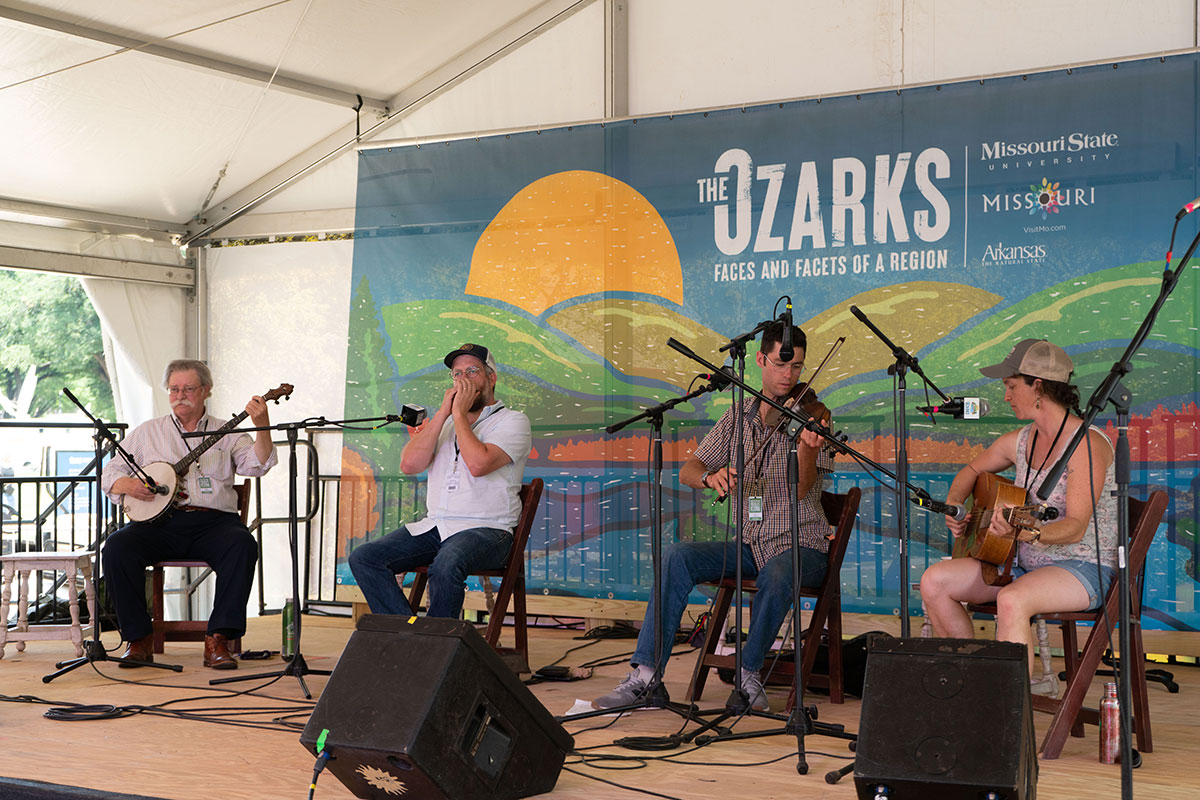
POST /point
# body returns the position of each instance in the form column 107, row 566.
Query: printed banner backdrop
column 960, row 218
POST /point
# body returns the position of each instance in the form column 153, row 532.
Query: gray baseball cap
column 1037, row 358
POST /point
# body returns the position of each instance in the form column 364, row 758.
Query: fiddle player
column 207, row 529
column 1056, row 568
column 765, row 554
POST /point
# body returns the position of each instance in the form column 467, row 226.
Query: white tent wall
column 279, row 314
column 146, row 325
column 702, row 53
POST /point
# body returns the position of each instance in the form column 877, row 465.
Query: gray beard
column 477, row 405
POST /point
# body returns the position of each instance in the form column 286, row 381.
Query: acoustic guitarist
column 1056, row 567
column 204, row 525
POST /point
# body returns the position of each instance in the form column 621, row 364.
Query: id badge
column 205, row 484
column 755, row 508
column 452, row 481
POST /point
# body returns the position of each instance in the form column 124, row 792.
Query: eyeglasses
column 183, row 389
column 796, row 367
column 469, row 372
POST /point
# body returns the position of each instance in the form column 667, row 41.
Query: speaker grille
column 946, row 718
column 426, row 708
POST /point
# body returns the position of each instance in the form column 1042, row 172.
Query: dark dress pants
column 217, row 538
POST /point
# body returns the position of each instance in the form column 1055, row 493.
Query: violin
column 802, row 396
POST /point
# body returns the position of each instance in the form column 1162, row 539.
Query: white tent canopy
column 167, row 115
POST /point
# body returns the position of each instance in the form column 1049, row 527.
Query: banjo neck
column 184, row 464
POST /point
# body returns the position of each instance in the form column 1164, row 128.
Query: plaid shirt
column 773, row 534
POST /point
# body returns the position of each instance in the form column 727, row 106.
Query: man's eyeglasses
column 796, row 367
column 183, row 389
column 469, row 372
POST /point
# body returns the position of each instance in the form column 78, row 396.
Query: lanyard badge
column 754, row 503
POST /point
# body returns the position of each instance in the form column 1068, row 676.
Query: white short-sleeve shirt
column 457, row 500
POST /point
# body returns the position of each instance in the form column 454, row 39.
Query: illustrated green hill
column 1093, row 316
column 555, row 382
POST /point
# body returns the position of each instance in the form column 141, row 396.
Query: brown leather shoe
column 216, row 652
column 141, row 650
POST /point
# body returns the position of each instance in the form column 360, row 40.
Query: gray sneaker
column 632, row 691
column 752, row 685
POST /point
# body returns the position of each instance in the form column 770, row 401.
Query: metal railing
column 588, row 539
column 50, row 512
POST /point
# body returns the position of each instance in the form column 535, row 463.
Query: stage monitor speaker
column 944, row 719
column 422, row 707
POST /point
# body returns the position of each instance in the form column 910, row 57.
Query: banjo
column 170, row 476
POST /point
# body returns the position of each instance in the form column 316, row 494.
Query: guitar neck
column 185, row 463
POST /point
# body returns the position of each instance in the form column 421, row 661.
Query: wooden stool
column 73, row 564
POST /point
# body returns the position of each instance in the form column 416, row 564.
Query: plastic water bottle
column 1110, row 726
column 288, row 646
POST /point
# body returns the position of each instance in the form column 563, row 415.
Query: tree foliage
column 48, row 323
column 371, row 382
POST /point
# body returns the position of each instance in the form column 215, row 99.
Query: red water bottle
column 1110, row 726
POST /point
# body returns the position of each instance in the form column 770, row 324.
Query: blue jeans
column 1085, row 573
column 376, row 564
column 688, row 563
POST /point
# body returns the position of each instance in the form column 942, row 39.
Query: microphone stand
column 1112, row 390
column 738, row 701
column 93, row 649
column 904, row 362
column 655, row 416
column 296, row 667
column 800, row 722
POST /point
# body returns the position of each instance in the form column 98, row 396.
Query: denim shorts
column 1085, row 573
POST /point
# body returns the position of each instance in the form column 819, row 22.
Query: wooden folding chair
column 512, row 583
column 188, row 630
column 1069, row 713
column 840, row 510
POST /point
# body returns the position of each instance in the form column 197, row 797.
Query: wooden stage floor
column 173, row 757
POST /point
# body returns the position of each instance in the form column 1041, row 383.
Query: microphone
column 960, row 408
column 411, row 415
column 719, row 379
column 679, row 347
column 938, row 507
column 786, row 351
column 1187, row 209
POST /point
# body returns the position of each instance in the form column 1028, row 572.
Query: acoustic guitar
column 979, row 542
column 170, row 476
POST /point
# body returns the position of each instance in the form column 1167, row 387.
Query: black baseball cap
column 476, row 350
